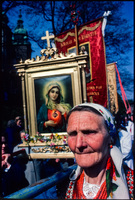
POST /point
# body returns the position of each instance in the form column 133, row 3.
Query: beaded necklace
column 130, row 182
column 75, row 189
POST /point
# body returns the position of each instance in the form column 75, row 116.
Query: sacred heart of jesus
column 55, row 115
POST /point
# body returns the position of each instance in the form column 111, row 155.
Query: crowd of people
column 103, row 149
column 13, row 164
column 18, row 171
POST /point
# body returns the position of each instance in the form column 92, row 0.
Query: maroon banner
column 90, row 39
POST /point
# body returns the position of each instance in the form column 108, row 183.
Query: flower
column 64, row 142
column 27, row 138
column 55, row 141
column 52, row 144
column 52, row 136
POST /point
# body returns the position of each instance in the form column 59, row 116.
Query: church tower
column 22, row 47
column 15, row 46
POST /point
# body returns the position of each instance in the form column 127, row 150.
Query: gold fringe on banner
column 63, row 39
column 79, row 32
column 112, row 87
column 89, row 28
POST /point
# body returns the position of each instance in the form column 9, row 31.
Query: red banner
column 91, row 40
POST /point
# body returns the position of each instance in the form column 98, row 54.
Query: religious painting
column 54, row 100
column 50, row 96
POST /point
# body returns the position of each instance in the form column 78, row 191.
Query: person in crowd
column 51, row 117
column 34, row 167
column 20, row 141
column 19, row 124
column 11, row 134
column 4, row 152
column 18, row 121
column 22, row 134
column 19, row 127
column 99, row 174
column 124, row 142
column 12, row 170
column 130, row 126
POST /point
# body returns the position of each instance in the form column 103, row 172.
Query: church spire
column 20, row 21
column 20, row 28
column 20, row 40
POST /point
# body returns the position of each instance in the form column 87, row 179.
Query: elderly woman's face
column 87, row 138
column 54, row 93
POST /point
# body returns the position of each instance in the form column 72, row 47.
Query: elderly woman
column 52, row 115
column 99, row 174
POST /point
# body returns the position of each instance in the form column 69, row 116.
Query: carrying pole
column 76, row 38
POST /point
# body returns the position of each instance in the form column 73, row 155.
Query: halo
column 62, row 86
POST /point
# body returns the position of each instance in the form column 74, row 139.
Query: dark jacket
column 14, row 179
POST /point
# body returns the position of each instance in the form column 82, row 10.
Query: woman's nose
column 79, row 140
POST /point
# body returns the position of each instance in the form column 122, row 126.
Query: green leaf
column 108, row 182
column 114, row 187
column 117, row 174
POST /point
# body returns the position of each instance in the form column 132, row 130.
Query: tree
column 55, row 16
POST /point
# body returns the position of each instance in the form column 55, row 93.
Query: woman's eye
column 89, row 132
column 74, row 133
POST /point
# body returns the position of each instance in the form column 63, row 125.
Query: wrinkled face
column 88, row 138
column 54, row 93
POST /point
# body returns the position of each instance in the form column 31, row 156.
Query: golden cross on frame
column 47, row 37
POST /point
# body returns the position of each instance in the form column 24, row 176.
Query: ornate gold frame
column 43, row 67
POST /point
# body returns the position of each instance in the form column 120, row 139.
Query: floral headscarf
column 109, row 119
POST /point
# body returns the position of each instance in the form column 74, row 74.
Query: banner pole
column 76, row 38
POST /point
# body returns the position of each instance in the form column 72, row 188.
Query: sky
column 128, row 12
